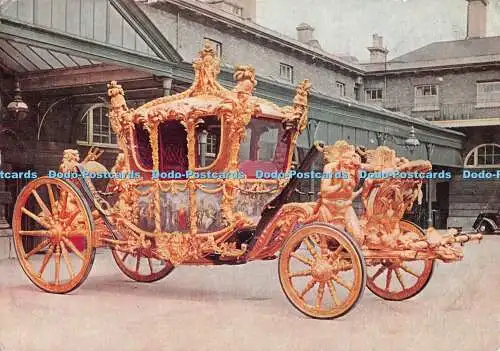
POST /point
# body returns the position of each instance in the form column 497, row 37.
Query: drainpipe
column 385, row 81
column 429, row 148
column 177, row 35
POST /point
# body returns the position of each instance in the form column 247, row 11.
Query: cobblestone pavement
column 243, row 308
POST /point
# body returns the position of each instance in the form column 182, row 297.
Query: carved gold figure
column 199, row 200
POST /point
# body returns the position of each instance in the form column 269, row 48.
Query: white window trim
column 374, row 89
column 434, row 106
column 290, row 67
column 341, row 86
column 90, row 128
column 486, row 104
column 211, row 154
column 474, row 155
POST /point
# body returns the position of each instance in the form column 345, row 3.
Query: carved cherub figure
column 337, row 193
column 246, row 82
column 207, row 67
column 116, row 96
column 297, row 115
column 117, row 107
column 70, row 159
column 245, row 78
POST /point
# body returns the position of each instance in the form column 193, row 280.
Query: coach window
column 208, row 139
column 264, row 148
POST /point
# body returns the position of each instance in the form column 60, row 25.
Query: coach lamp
column 18, row 109
column 411, row 143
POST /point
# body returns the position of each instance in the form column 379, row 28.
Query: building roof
column 441, row 55
column 257, row 30
column 442, row 50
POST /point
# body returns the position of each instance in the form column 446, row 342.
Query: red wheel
column 52, row 230
column 142, row 268
column 400, row 280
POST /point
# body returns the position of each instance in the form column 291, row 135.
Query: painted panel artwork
column 208, row 202
column 146, row 208
column 174, row 211
column 252, row 198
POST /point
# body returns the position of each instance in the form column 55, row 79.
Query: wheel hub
column 391, row 263
column 322, row 271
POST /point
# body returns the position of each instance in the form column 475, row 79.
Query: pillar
column 167, row 86
column 5, row 230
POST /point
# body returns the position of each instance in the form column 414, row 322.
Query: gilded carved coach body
column 171, row 215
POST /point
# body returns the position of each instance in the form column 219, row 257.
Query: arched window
column 95, row 128
column 483, row 156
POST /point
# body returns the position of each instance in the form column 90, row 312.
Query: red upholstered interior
column 143, row 147
column 250, row 167
column 173, row 147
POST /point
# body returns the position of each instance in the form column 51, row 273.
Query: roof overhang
column 28, row 44
column 480, row 122
column 34, row 36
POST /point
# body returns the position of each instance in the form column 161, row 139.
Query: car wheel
column 485, row 228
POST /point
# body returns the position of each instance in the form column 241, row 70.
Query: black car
column 487, row 222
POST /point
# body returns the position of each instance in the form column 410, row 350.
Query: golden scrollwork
column 386, row 197
column 276, row 231
column 179, row 247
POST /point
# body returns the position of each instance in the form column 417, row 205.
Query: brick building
column 454, row 84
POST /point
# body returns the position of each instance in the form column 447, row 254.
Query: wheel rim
column 321, row 271
column 52, row 215
column 141, row 266
column 399, row 280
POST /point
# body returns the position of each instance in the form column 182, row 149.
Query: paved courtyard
column 243, row 308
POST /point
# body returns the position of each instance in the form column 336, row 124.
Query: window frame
column 290, row 72
column 475, row 156
column 89, row 114
column 212, row 144
column 370, row 91
column 232, row 8
column 340, row 86
column 485, row 103
column 423, row 102
column 237, row 10
column 216, row 44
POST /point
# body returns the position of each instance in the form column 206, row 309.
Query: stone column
column 5, row 230
column 167, row 86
